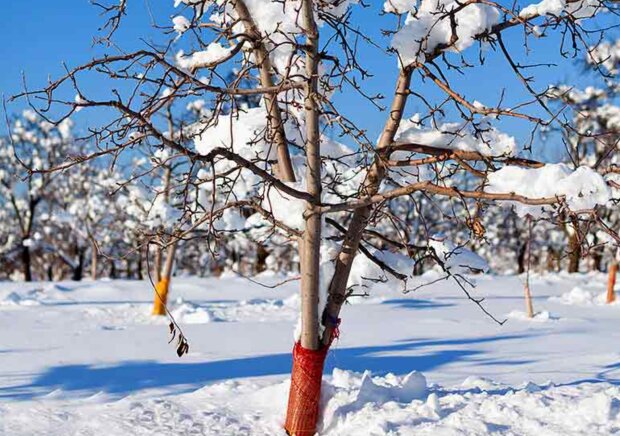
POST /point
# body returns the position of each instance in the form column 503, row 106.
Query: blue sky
column 39, row 35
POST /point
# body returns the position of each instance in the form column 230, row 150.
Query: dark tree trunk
column 521, row 257
column 128, row 270
column 78, row 271
column 597, row 260
column 26, row 263
column 261, row 256
column 112, row 270
column 140, row 262
column 574, row 253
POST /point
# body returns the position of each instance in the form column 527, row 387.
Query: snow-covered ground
column 88, row 359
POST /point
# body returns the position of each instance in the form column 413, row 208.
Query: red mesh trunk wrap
column 302, row 414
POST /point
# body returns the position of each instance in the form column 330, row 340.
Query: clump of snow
column 186, row 312
column 181, row 24
column 405, row 389
column 582, row 188
column 285, row 208
column 430, row 27
column 485, row 139
column 214, row 54
column 242, row 132
column 398, row 6
column 578, row 9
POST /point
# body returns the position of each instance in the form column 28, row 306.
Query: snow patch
column 581, row 297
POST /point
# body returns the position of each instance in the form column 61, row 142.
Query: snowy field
column 88, row 359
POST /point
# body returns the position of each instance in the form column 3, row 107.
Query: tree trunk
column 574, row 251
column 611, row 282
column 521, row 258
column 94, row 260
column 528, row 302
column 163, row 285
column 261, row 255
column 128, row 269
column 78, row 271
column 140, row 262
column 309, row 353
column 528, row 295
column 26, row 263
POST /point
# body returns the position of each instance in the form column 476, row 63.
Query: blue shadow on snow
column 132, row 376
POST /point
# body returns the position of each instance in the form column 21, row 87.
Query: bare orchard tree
column 283, row 168
column 32, row 144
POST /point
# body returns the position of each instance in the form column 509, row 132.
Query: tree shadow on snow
column 415, row 303
column 131, row 376
column 609, row 374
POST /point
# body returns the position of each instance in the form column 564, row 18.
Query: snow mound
column 481, row 384
column 543, row 316
column 580, row 297
column 187, row 312
column 392, row 388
